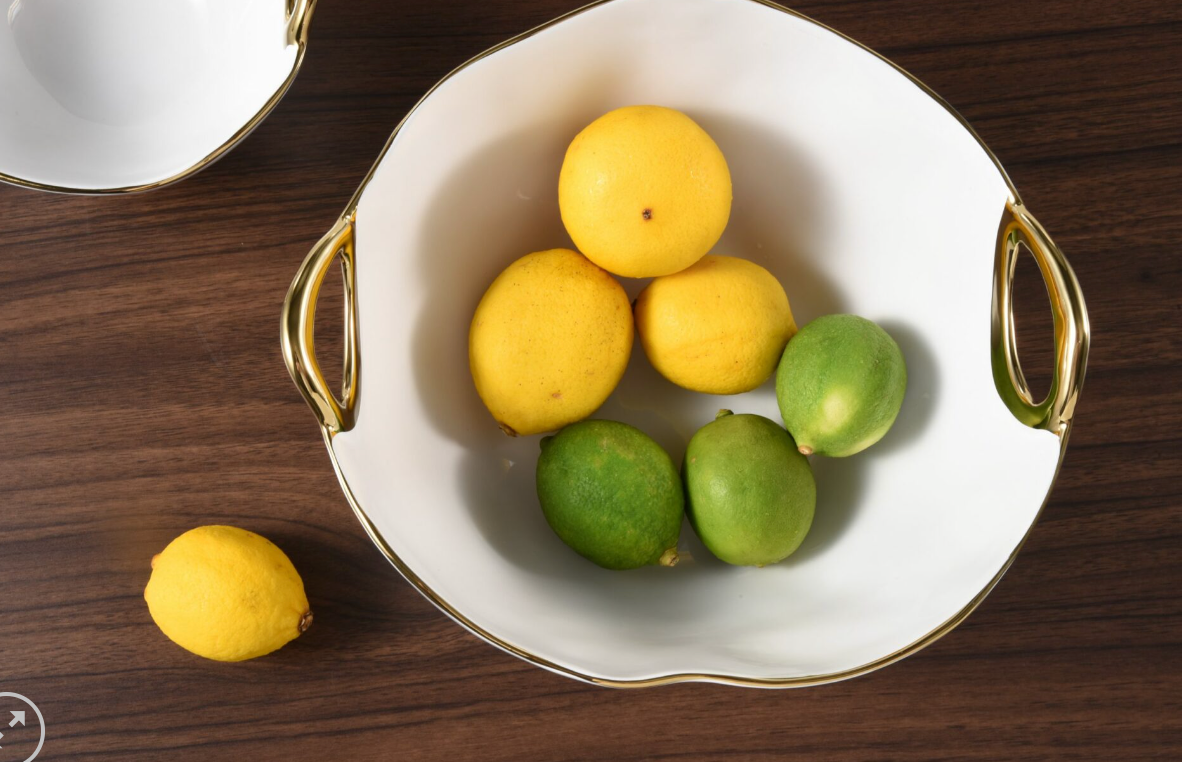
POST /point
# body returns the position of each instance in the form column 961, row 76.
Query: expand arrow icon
column 17, row 717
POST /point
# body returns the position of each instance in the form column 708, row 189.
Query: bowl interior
column 129, row 92
column 854, row 187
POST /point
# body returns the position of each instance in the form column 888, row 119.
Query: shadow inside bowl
column 491, row 211
column 923, row 386
column 778, row 214
column 840, row 486
column 840, row 481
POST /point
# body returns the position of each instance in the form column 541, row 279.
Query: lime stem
column 805, row 450
column 668, row 558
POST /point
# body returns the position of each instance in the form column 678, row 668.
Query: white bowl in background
column 129, row 95
column 856, row 186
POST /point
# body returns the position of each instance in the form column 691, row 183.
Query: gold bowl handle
column 299, row 13
column 1072, row 331
column 336, row 414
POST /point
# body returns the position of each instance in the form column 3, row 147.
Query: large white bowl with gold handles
column 105, row 96
column 853, row 183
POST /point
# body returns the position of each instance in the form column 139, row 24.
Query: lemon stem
column 305, row 621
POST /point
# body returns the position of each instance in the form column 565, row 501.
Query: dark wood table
column 143, row 393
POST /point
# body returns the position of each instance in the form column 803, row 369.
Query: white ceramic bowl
column 857, row 187
column 124, row 95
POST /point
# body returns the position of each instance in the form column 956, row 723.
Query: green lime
column 750, row 494
column 840, row 385
column 612, row 494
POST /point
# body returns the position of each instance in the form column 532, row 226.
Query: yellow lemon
column 226, row 594
column 718, row 327
column 549, row 341
column 644, row 191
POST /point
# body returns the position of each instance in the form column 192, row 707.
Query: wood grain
column 143, row 393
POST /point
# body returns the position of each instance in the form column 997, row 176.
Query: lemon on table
column 549, row 341
column 644, row 191
column 226, row 594
column 717, row 327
